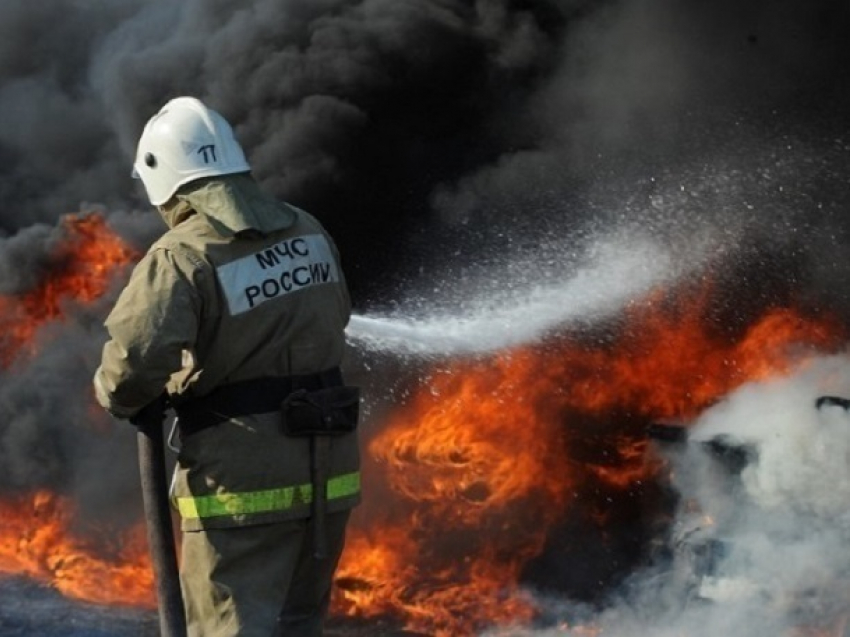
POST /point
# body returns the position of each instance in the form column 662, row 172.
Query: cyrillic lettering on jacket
column 286, row 267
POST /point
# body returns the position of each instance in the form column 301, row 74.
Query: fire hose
column 172, row 620
column 319, row 452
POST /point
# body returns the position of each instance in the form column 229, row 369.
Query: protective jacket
column 241, row 287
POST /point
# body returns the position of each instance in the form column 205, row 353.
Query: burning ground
column 563, row 222
column 499, row 480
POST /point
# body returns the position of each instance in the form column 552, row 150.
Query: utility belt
column 309, row 404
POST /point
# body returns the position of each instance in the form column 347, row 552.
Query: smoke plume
column 440, row 141
column 758, row 537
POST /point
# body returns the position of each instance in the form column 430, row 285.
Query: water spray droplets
column 517, row 309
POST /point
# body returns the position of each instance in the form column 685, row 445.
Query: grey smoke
column 310, row 86
column 24, row 258
column 434, row 138
column 775, row 532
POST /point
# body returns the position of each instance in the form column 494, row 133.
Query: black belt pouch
column 331, row 411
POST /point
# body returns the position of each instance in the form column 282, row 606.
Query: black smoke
column 427, row 135
column 399, row 121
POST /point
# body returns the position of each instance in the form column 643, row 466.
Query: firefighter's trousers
column 259, row 581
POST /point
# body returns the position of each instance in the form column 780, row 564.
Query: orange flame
column 469, row 477
column 86, row 260
column 36, row 538
column 474, row 472
column 36, row 542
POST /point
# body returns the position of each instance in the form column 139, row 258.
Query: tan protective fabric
column 258, row 456
column 173, row 327
column 236, row 203
column 259, row 581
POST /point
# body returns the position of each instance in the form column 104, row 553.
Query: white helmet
column 183, row 142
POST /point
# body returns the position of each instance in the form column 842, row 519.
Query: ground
column 28, row 609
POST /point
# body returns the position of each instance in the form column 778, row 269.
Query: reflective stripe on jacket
column 263, row 502
column 247, row 471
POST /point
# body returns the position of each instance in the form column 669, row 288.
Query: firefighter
column 236, row 316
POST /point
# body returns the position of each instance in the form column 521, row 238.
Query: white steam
column 760, row 543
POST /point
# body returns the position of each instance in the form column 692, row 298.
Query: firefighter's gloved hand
column 151, row 415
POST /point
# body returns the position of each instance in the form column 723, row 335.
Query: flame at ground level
column 37, row 537
column 477, row 471
column 468, row 482
column 96, row 566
